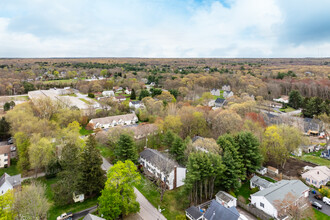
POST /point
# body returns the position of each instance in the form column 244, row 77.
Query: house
column 211, row 103
column 262, row 170
column 5, row 153
column 108, row 93
column 326, row 153
column 8, row 182
column 269, row 198
column 282, row 99
column 259, row 182
column 312, row 126
column 276, row 105
column 92, row 217
column 317, row 176
column 112, row 121
column 160, row 166
column 297, row 152
column 272, row 170
column 215, row 211
column 136, row 104
column 120, row 98
column 215, row 92
column 225, row 199
column 227, row 94
column 226, row 88
column 194, row 213
column 308, row 148
column 143, row 130
column 219, row 102
column 128, row 91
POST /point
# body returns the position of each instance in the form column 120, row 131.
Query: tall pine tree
column 92, row 176
column 125, row 149
column 177, row 150
column 133, row 95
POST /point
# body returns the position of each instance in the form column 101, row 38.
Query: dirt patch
column 293, row 167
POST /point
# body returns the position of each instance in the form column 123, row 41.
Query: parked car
column 65, row 216
column 318, row 197
column 326, row 200
column 317, row 205
column 10, row 140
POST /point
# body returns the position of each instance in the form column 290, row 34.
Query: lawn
column 245, row 191
column 55, row 211
column 267, row 178
column 105, row 151
column 84, row 100
column 317, row 160
column 287, row 109
column 84, row 131
column 319, row 215
column 173, row 202
column 12, row 170
column 60, row 81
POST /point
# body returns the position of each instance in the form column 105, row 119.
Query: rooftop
column 12, row 180
column 260, row 181
column 194, row 212
column 225, row 196
column 109, row 120
column 218, row 212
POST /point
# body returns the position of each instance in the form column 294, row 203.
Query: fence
column 254, row 211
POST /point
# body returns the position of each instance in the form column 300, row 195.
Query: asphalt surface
column 325, row 207
column 83, row 213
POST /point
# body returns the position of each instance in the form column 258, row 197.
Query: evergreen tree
column 92, row 177
column 168, row 138
column 295, row 99
column 133, row 95
column 230, row 177
column 248, row 147
column 4, row 128
column 126, row 149
column 144, row 93
column 177, row 150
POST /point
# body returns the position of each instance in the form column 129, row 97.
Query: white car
column 326, row 200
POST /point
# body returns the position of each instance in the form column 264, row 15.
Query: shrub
column 91, row 95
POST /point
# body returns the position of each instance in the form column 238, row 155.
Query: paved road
column 33, row 176
column 83, row 213
column 325, row 208
column 147, row 210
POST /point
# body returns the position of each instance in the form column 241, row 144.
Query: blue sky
column 164, row 28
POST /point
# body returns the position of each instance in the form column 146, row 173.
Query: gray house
column 219, row 102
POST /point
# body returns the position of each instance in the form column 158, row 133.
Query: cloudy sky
column 164, row 28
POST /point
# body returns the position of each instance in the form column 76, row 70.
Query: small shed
column 272, row 170
column 225, row 199
column 262, row 170
column 78, row 197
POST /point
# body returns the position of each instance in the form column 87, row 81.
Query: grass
column 268, row 179
column 84, row 100
column 84, row 131
column 55, row 211
column 60, row 81
column 12, row 170
column 320, row 216
column 317, row 160
column 287, row 109
column 173, row 202
column 245, row 191
column 105, row 151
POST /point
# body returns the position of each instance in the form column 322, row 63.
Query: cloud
column 159, row 28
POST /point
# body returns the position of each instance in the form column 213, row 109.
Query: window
column 6, row 159
column 262, row 205
column 6, row 154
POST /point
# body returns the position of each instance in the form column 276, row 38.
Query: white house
column 112, row 121
column 163, row 167
column 136, row 104
column 282, row 99
column 226, row 199
column 262, row 170
column 108, row 93
column 8, row 182
column 226, row 88
column 259, row 182
column 268, row 199
column 317, row 176
column 128, row 91
column 227, row 94
column 5, row 153
column 215, row 92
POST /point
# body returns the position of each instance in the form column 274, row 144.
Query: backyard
column 12, row 170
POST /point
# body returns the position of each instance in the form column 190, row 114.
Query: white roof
column 318, row 173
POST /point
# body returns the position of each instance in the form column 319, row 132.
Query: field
column 12, row 170
column 315, row 159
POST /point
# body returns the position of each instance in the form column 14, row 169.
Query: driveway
column 325, row 208
column 247, row 215
column 147, row 210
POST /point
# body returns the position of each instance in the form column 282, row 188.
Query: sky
column 165, row 28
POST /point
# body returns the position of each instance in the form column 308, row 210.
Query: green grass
column 267, row 178
column 105, row 151
column 84, row 100
column 173, row 202
column 12, row 170
column 84, row 131
column 316, row 153
column 60, row 81
column 317, row 160
column 287, row 109
column 320, row 216
column 245, row 191
column 55, row 211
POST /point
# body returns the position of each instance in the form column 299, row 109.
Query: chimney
column 318, row 172
column 175, row 177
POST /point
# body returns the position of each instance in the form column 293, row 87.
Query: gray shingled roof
column 159, row 160
column 93, row 217
column 225, row 196
column 194, row 212
column 260, row 181
column 220, row 101
column 13, row 180
column 279, row 190
column 218, row 212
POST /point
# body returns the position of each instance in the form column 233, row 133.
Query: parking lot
column 325, row 208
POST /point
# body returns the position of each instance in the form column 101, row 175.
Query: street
column 325, row 208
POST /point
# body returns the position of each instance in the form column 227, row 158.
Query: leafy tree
column 155, row 92
column 126, row 149
column 4, row 128
column 22, row 144
column 91, row 95
column 7, row 206
column 248, row 147
column 177, row 150
column 168, row 138
column 31, row 202
column 174, row 92
column 6, row 106
column 118, row 197
column 104, row 73
column 28, row 87
column 92, row 176
column 295, row 99
column 144, row 93
column 173, row 123
column 133, row 95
